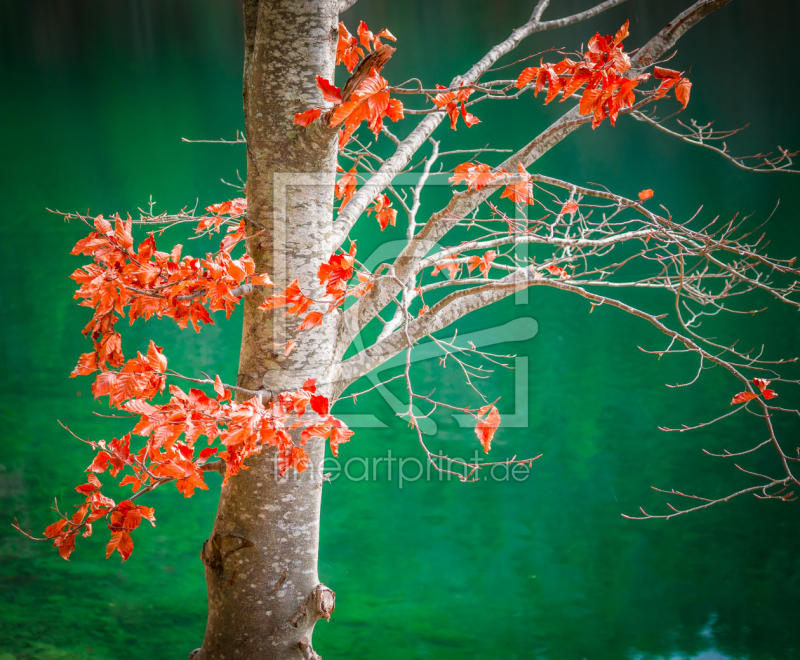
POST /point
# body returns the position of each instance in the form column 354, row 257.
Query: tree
column 292, row 139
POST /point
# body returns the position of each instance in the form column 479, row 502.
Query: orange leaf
column 312, row 319
column 320, row 405
column 261, row 279
column 330, row 92
column 521, row 192
column 65, row 545
column 660, row 72
column 621, row 33
column 122, row 543
column 207, row 453
column 526, row 76
column 475, row 175
column 569, row 208
column 682, row 91
column 646, row 194
column 308, row 117
column 339, row 435
column 486, row 427
column 743, row 397
column 449, row 264
column 55, row 528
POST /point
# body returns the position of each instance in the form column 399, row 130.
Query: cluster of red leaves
column 479, row 175
column 452, row 101
column 488, row 421
column 369, row 102
column 235, row 208
column 347, row 49
column 483, row 263
column 762, row 385
column 557, row 271
column 607, row 90
column 334, row 276
column 150, row 283
column 121, row 518
column 168, row 455
column 384, row 213
column 345, row 187
column 450, row 264
column 453, row 266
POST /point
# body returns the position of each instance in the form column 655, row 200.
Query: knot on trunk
column 307, row 650
column 324, row 602
column 219, row 547
column 318, row 605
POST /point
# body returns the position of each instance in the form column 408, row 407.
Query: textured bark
column 261, row 558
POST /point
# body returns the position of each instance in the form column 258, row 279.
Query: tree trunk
column 264, row 595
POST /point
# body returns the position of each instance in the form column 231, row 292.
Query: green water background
column 96, row 97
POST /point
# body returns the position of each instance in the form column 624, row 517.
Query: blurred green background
column 96, row 97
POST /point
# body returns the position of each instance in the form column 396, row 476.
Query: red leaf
column 130, row 479
column 55, row 528
column 207, row 453
column 310, row 385
column 100, row 462
column 469, row 119
column 569, row 208
column 526, row 76
column 475, row 175
column 621, row 33
column 365, row 35
column 743, row 397
column 122, row 543
column 761, row 383
column 320, row 405
column 339, row 435
column 308, row 117
column 484, row 262
column 646, row 194
column 261, row 279
column 312, row 319
column 486, row 427
column 683, row 90
column 660, row 72
column 330, row 92
column 448, row 263
column 521, row 192
column 86, row 365
column 347, row 50
column 65, row 545
column 556, row 270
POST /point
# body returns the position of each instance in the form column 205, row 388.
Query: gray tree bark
column 264, row 595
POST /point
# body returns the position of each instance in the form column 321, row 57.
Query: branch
column 408, row 147
column 700, row 135
column 445, row 312
column 365, row 309
column 765, row 494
